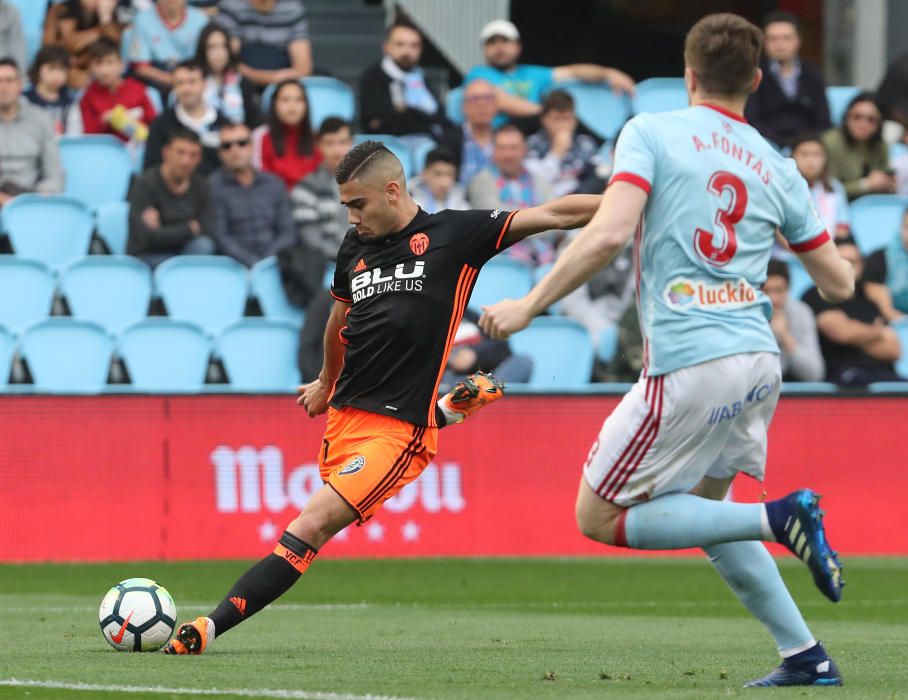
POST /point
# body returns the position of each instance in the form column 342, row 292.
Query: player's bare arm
column 568, row 212
column 314, row 395
column 833, row 275
column 596, row 246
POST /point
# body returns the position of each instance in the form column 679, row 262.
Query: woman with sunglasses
column 858, row 156
column 285, row 145
column 225, row 89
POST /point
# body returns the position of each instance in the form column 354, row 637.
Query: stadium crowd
column 210, row 100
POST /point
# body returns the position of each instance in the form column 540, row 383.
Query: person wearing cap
column 527, row 83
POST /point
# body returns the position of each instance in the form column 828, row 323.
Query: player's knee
column 593, row 526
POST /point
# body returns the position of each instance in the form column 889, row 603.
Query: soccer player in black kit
column 401, row 286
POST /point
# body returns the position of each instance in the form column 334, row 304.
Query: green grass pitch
column 451, row 628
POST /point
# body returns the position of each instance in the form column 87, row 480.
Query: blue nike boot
column 797, row 522
column 811, row 667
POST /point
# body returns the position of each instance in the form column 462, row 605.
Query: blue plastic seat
column 838, row 97
column 7, row 350
column 208, row 290
column 397, row 146
column 163, row 355
column 420, row 152
column 876, row 219
column 454, row 105
column 328, row 97
column 112, row 225
column 561, row 350
column 901, row 366
column 660, row 95
column 608, row 344
column 26, row 292
column 260, row 355
column 501, row 278
column 53, row 229
column 111, row 290
column 598, row 107
column 265, row 281
column 97, row 168
column 798, row 279
column 31, row 13
column 66, row 355
column 809, row 388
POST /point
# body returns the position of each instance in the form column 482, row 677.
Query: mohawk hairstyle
column 366, row 158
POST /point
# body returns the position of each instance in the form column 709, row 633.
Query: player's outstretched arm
column 568, row 212
column 833, row 275
column 314, row 395
column 597, row 245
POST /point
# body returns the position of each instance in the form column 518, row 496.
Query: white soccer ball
column 137, row 615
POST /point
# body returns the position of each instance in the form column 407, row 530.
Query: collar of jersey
column 416, row 222
column 723, row 112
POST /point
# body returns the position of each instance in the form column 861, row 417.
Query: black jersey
column 408, row 292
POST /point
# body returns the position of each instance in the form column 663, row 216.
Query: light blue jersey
column 717, row 193
column 155, row 41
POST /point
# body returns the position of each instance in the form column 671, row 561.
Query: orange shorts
column 367, row 457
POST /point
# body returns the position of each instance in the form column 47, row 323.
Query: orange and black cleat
column 191, row 638
column 469, row 395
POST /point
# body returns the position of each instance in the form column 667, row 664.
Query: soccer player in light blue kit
column 703, row 194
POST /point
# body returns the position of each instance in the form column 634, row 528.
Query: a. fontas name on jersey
column 403, row 277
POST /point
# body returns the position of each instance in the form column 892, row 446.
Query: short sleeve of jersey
column 481, row 232
column 802, row 227
column 540, row 76
column 636, row 155
column 340, row 285
column 483, row 73
column 139, row 50
column 875, row 267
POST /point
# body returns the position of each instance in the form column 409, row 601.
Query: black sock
column 263, row 583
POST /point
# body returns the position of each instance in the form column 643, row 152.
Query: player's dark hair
column 724, row 51
column 9, row 62
column 190, row 64
column 277, row 129
column 814, row 137
column 360, row 160
column 201, row 52
column 782, row 16
column 877, row 135
column 558, row 101
column 440, row 155
column 102, row 48
column 777, row 268
column 183, row 133
column 507, row 128
column 48, row 56
column 401, row 25
column 331, row 125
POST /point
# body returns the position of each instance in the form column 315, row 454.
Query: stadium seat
column 809, row 388
column 32, row 13
column 66, row 355
column 328, row 97
column 561, row 350
column 798, row 279
column 161, row 354
column 111, row 290
column 608, row 344
column 154, row 96
column 454, row 105
column 7, row 350
column 396, row 145
column 328, row 279
column 53, row 229
column 97, row 168
column 208, row 290
column 26, row 292
column 501, row 278
column 420, row 151
column 901, row 366
column 112, row 225
column 897, row 150
column 598, row 107
column 265, row 281
column 838, row 97
column 660, row 95
column 875, row 219
column 260, row 355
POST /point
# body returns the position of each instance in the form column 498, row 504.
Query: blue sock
column 681, row 520
column 750, row 571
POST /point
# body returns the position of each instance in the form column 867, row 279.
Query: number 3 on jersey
column 719, row 247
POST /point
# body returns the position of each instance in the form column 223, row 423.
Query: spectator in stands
column 899, row 165
column 795, row 329
column 250, row 209
column 471, row 145
column 892, row 95
column 508, row 184
column 164, row 36
column 565, row 158
column 858, row 346
column 29, row 156
column 225, row 89
column 886, row 276
column 76, row 25
column 271, row 38
column 112, row 103
column 857, row 154
column 191, row 111
column 394, row 96
column 791, row 98
column 169, row 204
column 437, row 187
column 523, row 84
column 12, row 38
column 829, row 198
column 49, row 89
column 284, row 146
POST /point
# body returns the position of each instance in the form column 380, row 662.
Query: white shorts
column 669, row 432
